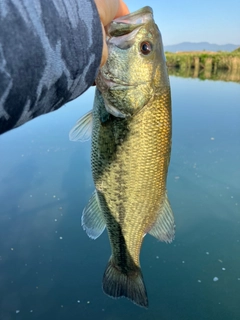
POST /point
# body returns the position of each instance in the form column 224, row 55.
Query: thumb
column 105, row 48
column 108, row 10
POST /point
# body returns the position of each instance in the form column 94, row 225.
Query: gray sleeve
column 50, row 52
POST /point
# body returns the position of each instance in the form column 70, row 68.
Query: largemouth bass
column 130, row 153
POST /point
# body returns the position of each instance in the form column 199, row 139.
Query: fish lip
column 131, row 17
column 126, row 24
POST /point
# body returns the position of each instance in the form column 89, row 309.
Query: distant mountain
column 237, row 50
column 200, row 46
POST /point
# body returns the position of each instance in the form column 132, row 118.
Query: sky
column 213, row 21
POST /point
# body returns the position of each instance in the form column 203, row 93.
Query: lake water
column 50, row 269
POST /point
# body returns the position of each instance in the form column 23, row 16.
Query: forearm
column 50, row 51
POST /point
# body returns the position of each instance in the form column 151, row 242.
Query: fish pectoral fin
column 164, row 227
column 93, row 221
column 113, row 110
column 83, row 128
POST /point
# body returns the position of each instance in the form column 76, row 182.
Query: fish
column 130, row 127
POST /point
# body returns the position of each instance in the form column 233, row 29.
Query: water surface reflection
column 206, row 74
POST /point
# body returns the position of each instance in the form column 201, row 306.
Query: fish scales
column 130, row 152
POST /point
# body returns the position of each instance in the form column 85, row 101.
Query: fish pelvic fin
column 82, row 130
column 117, row 284
column 164, row 227
column 93, row 221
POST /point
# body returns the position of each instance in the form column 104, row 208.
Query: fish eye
column 146, row 47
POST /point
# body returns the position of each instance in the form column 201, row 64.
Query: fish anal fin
column 83, row 129
column 117, row 284
column 92, row 218
column 164, row 227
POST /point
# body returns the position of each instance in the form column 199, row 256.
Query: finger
column 110, row 9
column 105, row 48
column 107, row 10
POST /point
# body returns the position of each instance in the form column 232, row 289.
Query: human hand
column 109, row 10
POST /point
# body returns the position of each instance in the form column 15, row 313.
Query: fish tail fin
column 117, row 284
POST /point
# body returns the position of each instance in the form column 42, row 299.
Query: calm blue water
column 50, row 269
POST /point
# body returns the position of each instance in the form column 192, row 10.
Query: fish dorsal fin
column 83, row 128
column 93, row 221
column 164, row 228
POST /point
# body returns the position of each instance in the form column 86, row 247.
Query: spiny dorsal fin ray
column 83, row 128
column 164, row 228
column 92, row 218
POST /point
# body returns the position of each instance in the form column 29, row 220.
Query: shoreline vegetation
column 205, row 64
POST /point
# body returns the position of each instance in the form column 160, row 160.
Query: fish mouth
column 128, row 23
